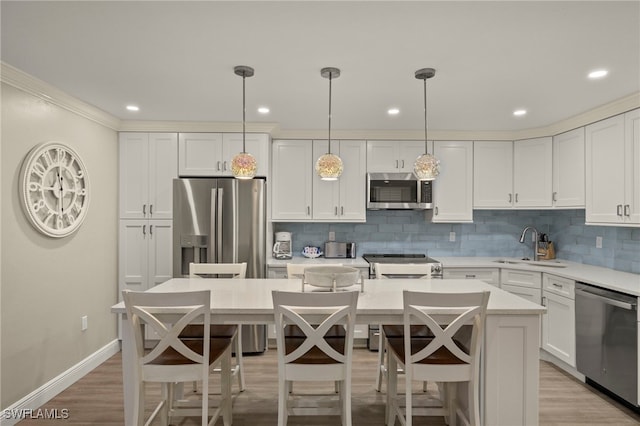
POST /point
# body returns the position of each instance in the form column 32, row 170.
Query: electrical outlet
column 85, row 323
column 598, row 242
column 332, row 236
column 452, row 236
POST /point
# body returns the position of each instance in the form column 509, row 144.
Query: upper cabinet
column 210, row 154
column 453, row 188
column 568, row 169
column 342, row 200
column 613, row 170
column 148, row 165
column 300, row 195
column 513, row 174
column 393, row 156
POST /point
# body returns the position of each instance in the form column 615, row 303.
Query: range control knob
column 436, row 269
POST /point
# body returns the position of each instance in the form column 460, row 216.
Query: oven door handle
column 606, row 300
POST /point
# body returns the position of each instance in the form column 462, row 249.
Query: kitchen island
column 510, row 363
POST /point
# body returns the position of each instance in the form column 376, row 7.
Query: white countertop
column 603, row 277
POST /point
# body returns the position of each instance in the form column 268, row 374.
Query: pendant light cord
column 425, row 116
column 244, row 109
column 330, row 78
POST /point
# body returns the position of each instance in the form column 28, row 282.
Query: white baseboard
column 16, row 412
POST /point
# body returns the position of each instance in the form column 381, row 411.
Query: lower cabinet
column 488, row 275
column 525, row 284
column 559, row 322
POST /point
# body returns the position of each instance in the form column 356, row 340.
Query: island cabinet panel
column 559, row 322
column 453, row 188
column 613, row 170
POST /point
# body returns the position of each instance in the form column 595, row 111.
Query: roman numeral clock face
column 55, row 189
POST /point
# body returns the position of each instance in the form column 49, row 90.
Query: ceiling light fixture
column 263, row 110
column 426, row 167
column 598, row 74
column 329, row 166
column 520, row 112
column 133, row 108
column 393, row 111
column 244, row 165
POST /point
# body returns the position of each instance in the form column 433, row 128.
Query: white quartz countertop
column 603, row 277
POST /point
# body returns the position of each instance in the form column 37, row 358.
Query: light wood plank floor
column 97, row 398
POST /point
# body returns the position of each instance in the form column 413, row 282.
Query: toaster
column 335, row 250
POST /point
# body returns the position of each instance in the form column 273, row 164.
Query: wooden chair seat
column 397, row 330
column 218, row 331
column 441, row 356
column 170, row 356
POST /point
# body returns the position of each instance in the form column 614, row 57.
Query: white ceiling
column 175, row 59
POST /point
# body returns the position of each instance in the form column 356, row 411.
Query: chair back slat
column 214, row 270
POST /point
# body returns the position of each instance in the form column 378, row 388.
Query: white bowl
column 324, row 276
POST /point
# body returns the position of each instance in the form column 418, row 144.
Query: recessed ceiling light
column 598, row 74
column 393, row 111
column 263, row 110
column 133, row 108
column 519, row 112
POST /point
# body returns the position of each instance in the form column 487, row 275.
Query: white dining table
column 510, row 360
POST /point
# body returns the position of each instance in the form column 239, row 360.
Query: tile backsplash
column 492, row 233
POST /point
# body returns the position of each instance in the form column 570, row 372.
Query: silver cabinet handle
column 403, row 164
column 555, row 196
column 144, row 210
column 219, row 164
column 150, row 230
column 619, row 209
column 150, row 209
column 557, row 285
column 544, row 301
column 510, row 197
column 342, row 210
column 397, row 164
column 516, row 197
column 435, row 211
column 308, row 210
column 627, row 210
column 144, row 230
column 336, row 211
column 470, row 276
column 224, row 166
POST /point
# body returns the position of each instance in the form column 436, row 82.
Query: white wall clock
column 55, row 189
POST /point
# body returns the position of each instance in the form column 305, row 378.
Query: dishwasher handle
column 606, row 300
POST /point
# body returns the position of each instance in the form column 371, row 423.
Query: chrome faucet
column 536, row 237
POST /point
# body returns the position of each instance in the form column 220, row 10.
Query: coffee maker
column 282, row 246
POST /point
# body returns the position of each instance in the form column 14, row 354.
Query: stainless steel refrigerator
column 222, row 220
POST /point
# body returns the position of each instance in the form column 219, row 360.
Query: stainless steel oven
column 607, row 340
column 372, row 258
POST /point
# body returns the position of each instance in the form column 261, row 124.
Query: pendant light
column 426, row 167
column 329, row 166
column 243, row 165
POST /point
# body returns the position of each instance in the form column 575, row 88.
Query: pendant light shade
column 244, row 165
column 329, row 166
column 426, row 166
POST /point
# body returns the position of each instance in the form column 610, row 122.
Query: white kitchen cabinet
column 488, row 275
column 453, row 188
column 526, row 284
column 292, row 179
column 148, row 165
column 531, row 294
column 210, row 154
column 145, row 253
column 512, row 174
column 568, row 169
column 394, row 156
column 559, row 323
column 613, row 170
column 343, row 200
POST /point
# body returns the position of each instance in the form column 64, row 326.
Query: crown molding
column 48, row 93
column 196, row 126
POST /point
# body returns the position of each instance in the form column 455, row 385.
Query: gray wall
column 49, row 284
column 493, row 233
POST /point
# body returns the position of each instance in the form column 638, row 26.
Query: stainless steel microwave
column 398, row 191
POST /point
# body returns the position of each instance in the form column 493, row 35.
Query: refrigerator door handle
column 212, row 249
column 219, row 225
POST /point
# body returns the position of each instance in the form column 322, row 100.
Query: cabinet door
column 604, row 157
column 292, row 179
column 453, row 188
column 408, row 151
column 134, row 175
column 132, row 255
column 532, row 172
column 632, row 167
column 353, row 182
column 326, row 193
column 531, row 294
column 200, row 154
column 160, row 251
column 256, row 144
column 492, row 174
column 568, row 169
column 558, row 327
column 163, row 168
column 382, row 156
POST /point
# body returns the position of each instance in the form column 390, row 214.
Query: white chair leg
column 225, row 388
column 408, row 417
column 239, row 362
column 381, row 364
column 474, row 404
column 392, row 390
column 283, row 395
column 346, row 397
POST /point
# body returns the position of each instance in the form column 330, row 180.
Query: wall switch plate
column 332, row 236
column 85, row 323
column 598, row 242
column 452, row 236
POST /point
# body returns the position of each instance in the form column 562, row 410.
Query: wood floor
column 97, row 398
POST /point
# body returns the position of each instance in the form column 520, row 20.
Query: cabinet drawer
column 531, row 294
column 559, row 285
column 521, row 278
column 488, row 275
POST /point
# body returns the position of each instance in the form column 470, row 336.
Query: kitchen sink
column 548, row 263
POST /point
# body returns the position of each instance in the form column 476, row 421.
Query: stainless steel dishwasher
column 607, row 340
